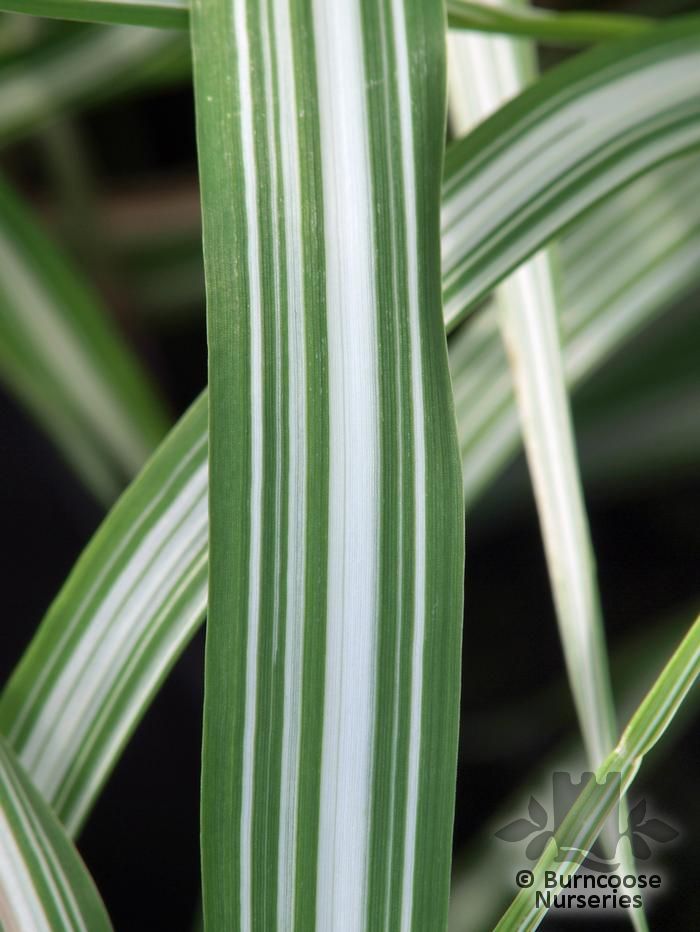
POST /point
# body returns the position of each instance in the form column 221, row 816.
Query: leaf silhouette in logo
column 537, row 845
column 640, row 848
column 537, row 812
column 516, row 831
column 658, row 830
column 637, row 813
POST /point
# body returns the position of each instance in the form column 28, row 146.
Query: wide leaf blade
column 336, row 538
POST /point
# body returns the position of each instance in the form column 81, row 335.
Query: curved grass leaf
column 163, row 13
column 625, row 262
column 660, row 262
column 44, row 885
column 546, row 25
column 62, row 357
column 597, row 800
column 129, row 607
column 585, row 129
column 87, row 66
column 482, row 883
column 336, row 541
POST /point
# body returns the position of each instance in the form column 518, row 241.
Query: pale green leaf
column 586, row 818
column 482, row 881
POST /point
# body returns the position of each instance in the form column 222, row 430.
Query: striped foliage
column 659, row 251
column 336, row 536
column 44, row 886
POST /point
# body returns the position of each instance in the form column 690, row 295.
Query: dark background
column 141, row 842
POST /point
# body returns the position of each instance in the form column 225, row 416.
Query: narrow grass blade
column 495, row 70
column 585, row 129
column 62, row 357
column 335, row 586
column 131, row 604
column 546, row 25
column 86, row 67
column 482, row 881
column 528, row 320
column 44, row 885
column 597, row 799
column 169, row 14
column 657, row 264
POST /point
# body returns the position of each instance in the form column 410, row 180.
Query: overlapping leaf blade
column 132, row 602
column 44, row 885
column 483, row 877
column 584, row 130
column 626, row 261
